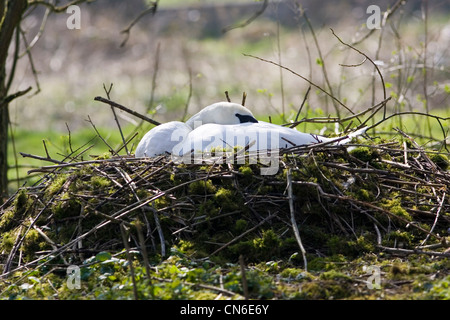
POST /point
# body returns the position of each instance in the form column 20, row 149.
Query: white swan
column 267, row 136
column 162, row 139
column 222, row 113
column 224, row 125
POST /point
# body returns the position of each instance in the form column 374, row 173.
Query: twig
column 227, row 96
column 12, row 70
column 57, row 8
column 373, row 63
column 293, row 222
column 386, row 16
column 126, row 31
column 322, row 62
column 130, row 260
column 121, row 107
column 307, row 80
column 425, row 71
column 244, row 278
column 26, row 155
column 160, row 232
column 283, row 115
column 414, row 251
column 100, row 136
column 108, row 91
column 154, row 77
column 128, row 141
column 249, row 20
column 353, row 65
column 301, row 108
column 441, row 203
column 244, row 97
column 188, row 100
column 143, row 248
column 70, row 139
column 15, row 95
column 33, row 68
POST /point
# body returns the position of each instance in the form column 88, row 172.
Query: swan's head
column 222, row 113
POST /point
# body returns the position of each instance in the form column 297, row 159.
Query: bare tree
column 11, row 12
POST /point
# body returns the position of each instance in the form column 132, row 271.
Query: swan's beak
column 245, row 118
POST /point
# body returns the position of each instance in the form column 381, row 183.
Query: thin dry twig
column 249, row 20
column 121, row 107
column 304, row 78
column 151, row 9
column 293, row 222
column 373, row 63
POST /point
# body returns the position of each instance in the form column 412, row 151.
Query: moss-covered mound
column 354, row 202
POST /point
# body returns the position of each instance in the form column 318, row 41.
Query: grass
column 58, row 147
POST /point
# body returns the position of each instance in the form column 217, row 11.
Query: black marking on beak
column 245, row 118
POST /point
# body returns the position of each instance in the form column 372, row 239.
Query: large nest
column 323, row 200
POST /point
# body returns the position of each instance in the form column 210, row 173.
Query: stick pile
column 391, row 196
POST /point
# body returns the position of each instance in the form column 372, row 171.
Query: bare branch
column 304, row 78
column 126, row 31
column 57, row 8
column 121, row 107
column 249, row 20
column 368, row 58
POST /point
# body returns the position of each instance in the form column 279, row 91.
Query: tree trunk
column 11, row 12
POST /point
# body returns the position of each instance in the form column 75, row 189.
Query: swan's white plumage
column 267, row 136
column 220, row 113
column 162, row 139
column 224, row 125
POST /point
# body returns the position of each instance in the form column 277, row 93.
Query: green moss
column 32, row 243
column 440, row 160
column 66, row 207
column 364, row 195
column 295, row 274
column 365, row 154
column 7, row 240
column 266, row 247
column 333, row 275
column 341, row 245
column 161, row 202
column 7, row 220
column 208, row 208
column 202, row 187
column 99, row 182
column 240, row 225
column 104, row 156
column 399, row 269
column 13, row 216
column 227, row 199
column 361, row 245
column 246, row 170
column 401, row 239
column 394, row 206
column 269, row 241
column 325, row 289
column 56, row 185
